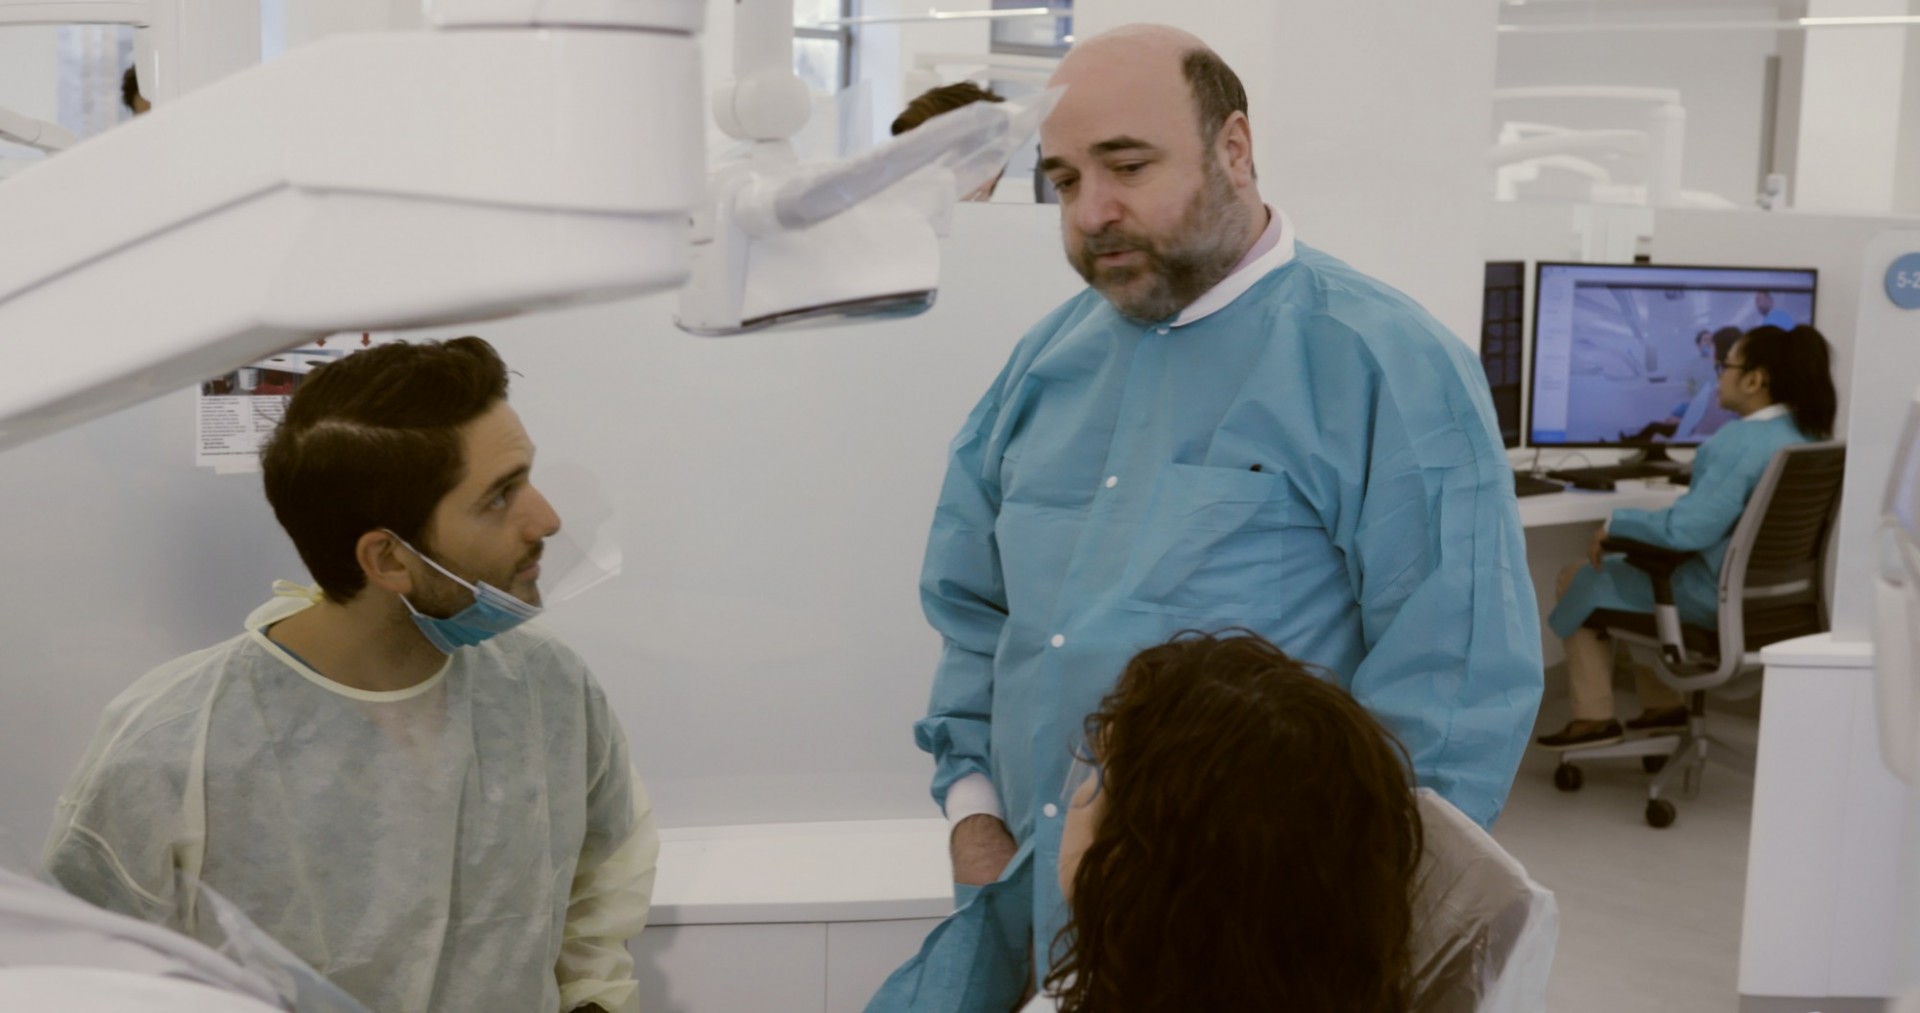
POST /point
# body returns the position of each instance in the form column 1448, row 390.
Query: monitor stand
column 1653, row 455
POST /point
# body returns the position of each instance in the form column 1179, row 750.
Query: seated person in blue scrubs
column 1196, row 879
column 1780, row 384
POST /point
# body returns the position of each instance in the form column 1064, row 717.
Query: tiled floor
column 1649, row 919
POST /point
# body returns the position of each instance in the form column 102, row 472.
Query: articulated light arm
column 35, row 133
column 361, row 182
column 780, row 242
column 364, row 182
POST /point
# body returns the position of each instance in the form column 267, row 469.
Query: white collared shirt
column 1235, row 285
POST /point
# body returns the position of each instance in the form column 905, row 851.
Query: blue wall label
column 1903, row 282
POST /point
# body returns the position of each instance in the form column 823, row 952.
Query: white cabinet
column 732, row 968
column 789, row 918
column 1824, row 869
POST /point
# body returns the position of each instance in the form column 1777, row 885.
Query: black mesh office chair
column 1772, row 588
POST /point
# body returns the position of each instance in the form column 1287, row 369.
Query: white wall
column 29, row 79
column 1850, row 111
column 765, row 648
column 1721, row 77
column 1906, row 175
column 119, row 555
column 1348, row 136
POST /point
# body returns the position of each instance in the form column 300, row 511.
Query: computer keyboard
column 1528, row 485
column 1616, row 472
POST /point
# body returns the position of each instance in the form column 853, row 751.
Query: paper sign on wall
column 236, row 412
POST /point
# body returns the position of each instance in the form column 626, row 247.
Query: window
column 823, row 55
column 92, row 58
column 1035, row 36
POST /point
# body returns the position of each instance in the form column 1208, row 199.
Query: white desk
column 1577, row 506
column 1826, row 858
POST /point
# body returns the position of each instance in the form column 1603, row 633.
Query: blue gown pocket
column 1212, row 543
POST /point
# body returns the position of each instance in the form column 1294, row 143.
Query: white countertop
column 1818, row 651
column 870, row 870
column 1576, row 506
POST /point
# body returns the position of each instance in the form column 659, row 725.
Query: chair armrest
column 1653, row 559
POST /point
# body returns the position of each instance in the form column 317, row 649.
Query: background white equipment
column 779, row 242
column 1525, row 149
column 365, row 182
column 362, row 182
column 35, row 133
column 1897, row 649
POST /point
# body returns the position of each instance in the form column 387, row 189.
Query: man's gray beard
column 1209, row 240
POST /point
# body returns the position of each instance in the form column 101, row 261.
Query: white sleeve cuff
column 972, row 795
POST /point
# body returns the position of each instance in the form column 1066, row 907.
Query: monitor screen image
column 1628, row 354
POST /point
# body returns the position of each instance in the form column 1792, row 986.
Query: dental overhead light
column 365, row 182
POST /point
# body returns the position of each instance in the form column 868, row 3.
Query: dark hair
column 1723, row 341
column 129, row 88
column 374, row 441
column 1217, row 91
column 944, row 99
column 1799, row 374
column 1260, row 839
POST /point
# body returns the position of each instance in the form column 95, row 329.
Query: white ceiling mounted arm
column 35, row 133
column 778, row 242
column 1662, row 139
column 972, row 142
column 1031, row 70
column 362, row 182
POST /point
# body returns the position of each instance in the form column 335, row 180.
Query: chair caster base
column 1660, row 813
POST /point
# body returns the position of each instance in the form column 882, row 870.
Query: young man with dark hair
column 393, row 774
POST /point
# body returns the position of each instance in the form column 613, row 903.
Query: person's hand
column 1594, row 553
column 981, row 849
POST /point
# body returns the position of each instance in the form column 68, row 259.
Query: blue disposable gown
column 1725, row 471
column 1316, row 461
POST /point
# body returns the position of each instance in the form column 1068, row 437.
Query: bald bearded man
column 1227, row 428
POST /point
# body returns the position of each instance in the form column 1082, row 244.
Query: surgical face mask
column 493, row 612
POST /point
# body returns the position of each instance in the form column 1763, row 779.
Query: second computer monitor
column 1629, row 354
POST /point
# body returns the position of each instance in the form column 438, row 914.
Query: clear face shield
column 586, row 551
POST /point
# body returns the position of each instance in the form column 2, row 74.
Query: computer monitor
column 1625, row 355
column 1502, row 344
